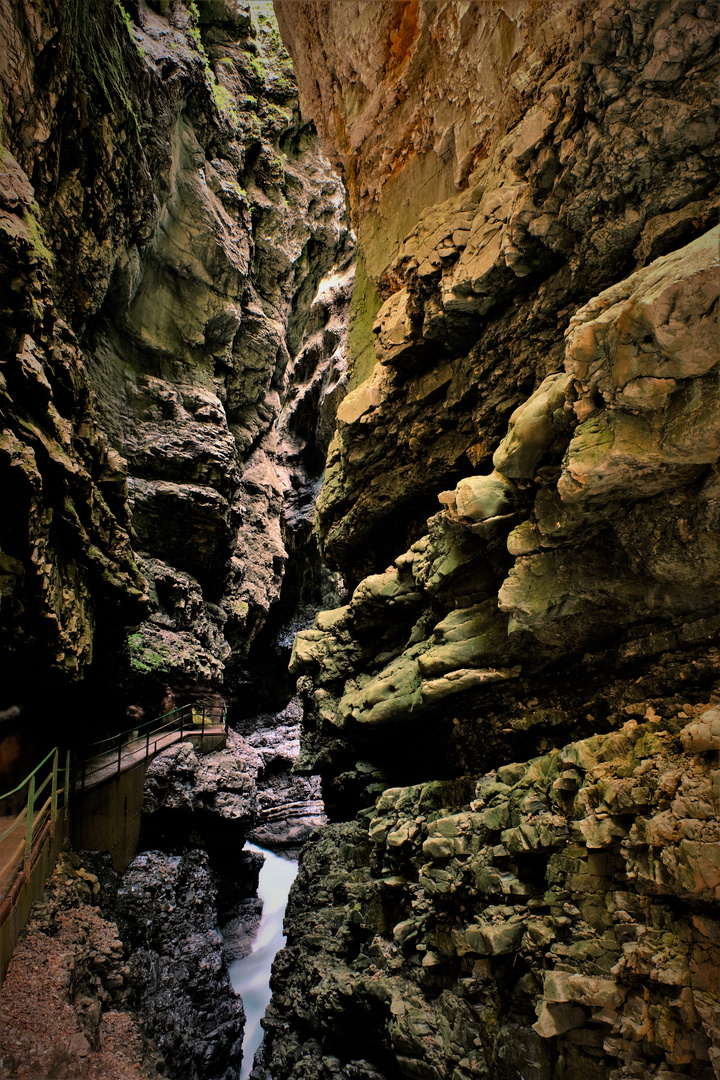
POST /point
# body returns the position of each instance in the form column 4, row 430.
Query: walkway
column 39, row 806
column 33, row 816
column 110, row 757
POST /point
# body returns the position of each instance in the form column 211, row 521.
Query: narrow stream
column 251, row 975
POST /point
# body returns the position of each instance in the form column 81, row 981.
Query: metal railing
column 40, row 807
column 100, row 761
column 108, row 757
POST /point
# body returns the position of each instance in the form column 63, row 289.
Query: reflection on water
column 251, row 975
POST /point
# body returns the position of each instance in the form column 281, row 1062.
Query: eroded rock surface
column 169, row 227
column 64, row 1003
column 167, row 915
column 557, row 913
column 67, row 557
column 504, row 166
column 289, row 807
column 519, row 695
column 211, row 796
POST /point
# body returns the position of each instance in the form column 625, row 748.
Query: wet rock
column 532, row 428
column 184, row 241
column 211, row 796
column 543, row 648
column 550, row 884
column 289, row 807
column 167, row 915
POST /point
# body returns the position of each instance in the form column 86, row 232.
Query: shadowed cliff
column 168, row 226
column 517, row 706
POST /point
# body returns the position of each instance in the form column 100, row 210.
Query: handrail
column 35, row 819
column 16, row 822
column 139, row 727
column 27, row 778
column 111, row 753
column 38, row 820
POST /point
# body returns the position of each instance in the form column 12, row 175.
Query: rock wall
column 518, row 704
column 590, row 136
column 168, row 223
column 168, row 920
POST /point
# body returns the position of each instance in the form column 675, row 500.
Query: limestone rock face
column 505, row 164
column 190, row 235
column 289, row 807
column 217, row 785
column 514, row 714
column 561, row 909
column 66, row 558
column 194, row 366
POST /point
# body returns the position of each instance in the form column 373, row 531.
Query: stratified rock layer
column 505, row 163
column 289, row 807
column 525, row 684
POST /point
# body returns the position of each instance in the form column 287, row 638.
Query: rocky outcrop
column 187, row 906
column 561, row 916
column 569, row 501
column 157, row 295
column 246, row 792
column 192, row 356
column 66, row 561
column 167, row 916
column 519, row 694
column 289, row 807
column 504, row 166
column 209, row 796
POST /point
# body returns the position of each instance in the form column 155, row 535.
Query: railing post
column 54, row 793
column 119, row 753
column 182, row 723
column 202, row 730
column 147, row 743
column 30, row 819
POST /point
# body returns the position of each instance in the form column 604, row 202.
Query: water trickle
column 250, row 976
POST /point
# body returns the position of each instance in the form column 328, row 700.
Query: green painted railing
column 107, row 756
column 40, row 807
column 99, row 762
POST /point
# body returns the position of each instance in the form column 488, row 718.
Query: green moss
column 36, row 234
column 95, row 39
column 194, row 33
column 257, row 67
column 143, row 658
column 364, row 306
column 126, row 19
column 224, row 100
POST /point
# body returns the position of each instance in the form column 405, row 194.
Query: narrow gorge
column 360, row 387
